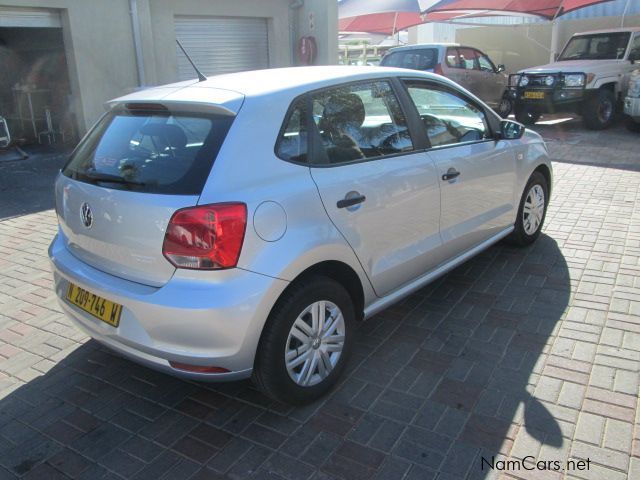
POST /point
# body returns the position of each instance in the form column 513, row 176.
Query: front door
column 477, row 174
column 381, row 194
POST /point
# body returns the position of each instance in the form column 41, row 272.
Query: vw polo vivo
column 241, row 226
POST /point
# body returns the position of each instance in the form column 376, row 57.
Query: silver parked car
column 467, row 66
column 241, row 226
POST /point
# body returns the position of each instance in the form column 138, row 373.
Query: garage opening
column 34, row 78
column 220, row 45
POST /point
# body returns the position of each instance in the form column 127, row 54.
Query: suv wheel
column 526, row 115
column 505, row 107
column 306, row 341
column 532, row 211
column 599, row 111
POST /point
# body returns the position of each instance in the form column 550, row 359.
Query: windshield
column 423, row 59
column 601, row 46
column 154, row 152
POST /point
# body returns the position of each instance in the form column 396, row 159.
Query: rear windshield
column 424, row 59
column 153, row 152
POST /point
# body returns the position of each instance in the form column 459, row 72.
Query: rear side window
column 292, row 144
column 153, row 152
column 359, row 121
column 424, row 59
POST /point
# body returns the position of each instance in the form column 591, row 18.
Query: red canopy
column 388, row 23
column 549, row 9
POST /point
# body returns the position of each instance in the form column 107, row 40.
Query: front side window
column 150, row 151
column 359, row 121
column 635, row 48
column 601, row 46
column 448, row 118
column 467, row 58
column 486, row 65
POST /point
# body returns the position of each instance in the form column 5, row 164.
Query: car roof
column 228, row 91
column 609, row 30
column 423, row 45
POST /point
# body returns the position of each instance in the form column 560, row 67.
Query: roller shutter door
column 29, row 17
column 221, row 44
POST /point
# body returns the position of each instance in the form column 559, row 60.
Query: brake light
column 438, row 69
column 208, row 237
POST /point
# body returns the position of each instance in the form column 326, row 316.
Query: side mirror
column 511, row 130
column 501, row 68
column 633, row 57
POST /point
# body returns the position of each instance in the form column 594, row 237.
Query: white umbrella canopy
column 380, row 16
column 357, row 8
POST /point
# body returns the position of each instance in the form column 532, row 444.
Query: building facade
column 64, row 58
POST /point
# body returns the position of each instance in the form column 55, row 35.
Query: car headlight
column 524, row 81
column 549, row 80
column 514, row 79
column 574, row 80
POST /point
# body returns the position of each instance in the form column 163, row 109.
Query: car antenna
column 201, row 77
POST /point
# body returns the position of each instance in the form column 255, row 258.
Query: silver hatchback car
column 241, row 226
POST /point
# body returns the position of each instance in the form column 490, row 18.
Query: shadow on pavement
column 569, row 141
column 436, row 383
column 26, row 186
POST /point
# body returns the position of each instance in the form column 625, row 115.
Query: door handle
column 350, row 200
column 451, row 174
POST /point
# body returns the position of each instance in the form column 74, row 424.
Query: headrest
column 172, row 135
column 344, row 108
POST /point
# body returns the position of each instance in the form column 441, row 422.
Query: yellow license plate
column 534, row 95
column 105, row 310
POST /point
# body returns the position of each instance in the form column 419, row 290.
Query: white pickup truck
column 590, row 78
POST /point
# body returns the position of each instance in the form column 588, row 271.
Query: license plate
column 534, row 95
column 101, row 308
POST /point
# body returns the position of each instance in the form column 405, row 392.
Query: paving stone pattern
column 518, row 353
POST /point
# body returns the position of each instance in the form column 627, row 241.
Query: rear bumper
column 197, row 318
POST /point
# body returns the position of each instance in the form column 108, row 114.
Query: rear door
column 134, row 170
column 380, row 192
column 477, row 174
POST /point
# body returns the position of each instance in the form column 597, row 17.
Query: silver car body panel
column 127, row 231
column 402, row 209
column 217, row 317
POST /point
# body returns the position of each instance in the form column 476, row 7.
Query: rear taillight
column 206, row 238
column 438, row 69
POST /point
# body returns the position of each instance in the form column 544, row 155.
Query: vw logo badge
column 86, row 215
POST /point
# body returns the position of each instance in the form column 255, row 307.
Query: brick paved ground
column 518, row 353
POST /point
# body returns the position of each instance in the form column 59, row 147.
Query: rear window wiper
column 108, row 178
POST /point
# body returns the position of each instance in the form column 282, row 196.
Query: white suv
column 590, row 78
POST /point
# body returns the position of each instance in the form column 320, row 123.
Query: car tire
column 283, row 336
column 531, row 213
column 599, row 111
column 505, row 107
column 527, row 116
column 632, row 125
